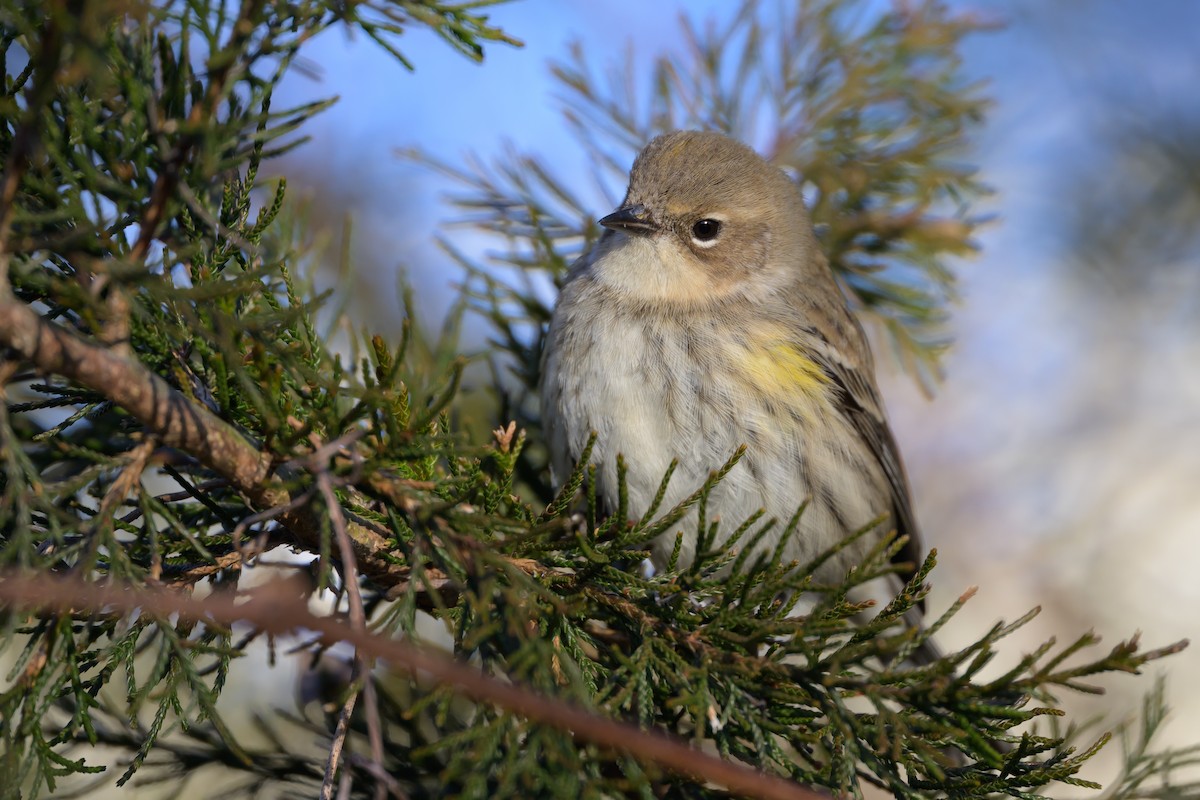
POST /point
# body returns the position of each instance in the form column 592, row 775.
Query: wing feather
column 864, row 409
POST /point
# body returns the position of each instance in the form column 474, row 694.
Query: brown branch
column 130, row 476
column 179, row 423
column 358, row 616
column 166, row 413
column 192, row 574
column 339, row 741
column 274, row 609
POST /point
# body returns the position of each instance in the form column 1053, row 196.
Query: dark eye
column 706, row 230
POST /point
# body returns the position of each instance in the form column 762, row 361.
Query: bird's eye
column 706, row 230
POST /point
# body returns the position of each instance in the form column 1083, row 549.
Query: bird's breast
column 691, row 388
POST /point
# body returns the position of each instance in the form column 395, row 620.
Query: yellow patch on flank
column 783, row 371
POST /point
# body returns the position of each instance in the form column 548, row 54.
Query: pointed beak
column 630, row 219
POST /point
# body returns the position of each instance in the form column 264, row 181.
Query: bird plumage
column 706, row 318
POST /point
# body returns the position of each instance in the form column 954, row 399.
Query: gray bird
column 706, row 318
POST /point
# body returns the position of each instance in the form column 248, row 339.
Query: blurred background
column 1058, row 464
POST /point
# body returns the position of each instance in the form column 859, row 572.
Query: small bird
column 706, row 318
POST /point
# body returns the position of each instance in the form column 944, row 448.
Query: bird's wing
column 864, row 409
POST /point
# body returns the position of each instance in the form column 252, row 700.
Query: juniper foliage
column 173, row 409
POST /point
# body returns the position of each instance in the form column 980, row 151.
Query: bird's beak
column 630, row 219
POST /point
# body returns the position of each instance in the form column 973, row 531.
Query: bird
column 704, row 319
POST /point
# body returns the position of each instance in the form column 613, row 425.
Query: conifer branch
column 221, row 64
column 274, row 609
column 158, row 323
column 179, row 423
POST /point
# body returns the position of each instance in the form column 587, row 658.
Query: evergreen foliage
column 173, row 409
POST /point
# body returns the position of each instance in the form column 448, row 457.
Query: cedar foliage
column 174, row 410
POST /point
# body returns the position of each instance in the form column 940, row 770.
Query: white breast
column 655, row 389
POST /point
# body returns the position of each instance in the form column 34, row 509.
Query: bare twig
column 358, row 617
column 130, row 475
column 374, row 724
column 193, row 573
column 275, row 609
column 339, row 741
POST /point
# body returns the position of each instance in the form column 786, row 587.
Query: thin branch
column 358, row 617
column 177, row 421
column 274, row 609
column 180, row 423
column 175, row 576
column 131, row 475
column 339, row 741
